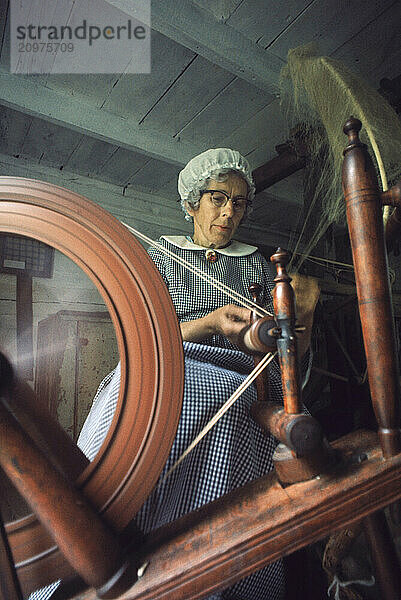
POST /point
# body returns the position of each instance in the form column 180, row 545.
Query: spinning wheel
column 131, row 458
column 264, row 520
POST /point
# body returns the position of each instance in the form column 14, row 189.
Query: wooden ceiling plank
column 121, row 164
column 5, row 53
column 4, row 4
column 154, row 176
column 170, row 188
column 320, row 23
column 49, row 143
column 197, row 29
column 193, row 90
column 89, row 156
column 265, row 130
column 5, row 38
column 220, row 9
column 22, row 93
column 227, row 111
column 258, row 22
column 134, row 94
column 14, row 127
column 380, row 59
column 92, row 88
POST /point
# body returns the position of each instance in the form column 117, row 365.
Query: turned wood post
column 365, row 223
column 284, row 309
column 303, row 452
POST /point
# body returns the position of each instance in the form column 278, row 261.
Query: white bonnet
column 200, row 167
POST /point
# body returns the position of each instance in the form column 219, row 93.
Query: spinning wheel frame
column 132, row 456
column 260, row 522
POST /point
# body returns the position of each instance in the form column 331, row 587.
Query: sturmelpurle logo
column 89, row 36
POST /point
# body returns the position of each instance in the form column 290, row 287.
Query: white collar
column 234, row 249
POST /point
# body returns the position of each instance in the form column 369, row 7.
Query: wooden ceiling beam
column 278, row 168
column 292, row 156
column 150, row 210
column 24, row 94
column 195, row 28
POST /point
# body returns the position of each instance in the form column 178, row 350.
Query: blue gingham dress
column 235, row 451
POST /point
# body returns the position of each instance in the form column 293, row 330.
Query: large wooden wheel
column 132, row 456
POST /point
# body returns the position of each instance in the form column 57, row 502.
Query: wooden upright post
column 365, row 224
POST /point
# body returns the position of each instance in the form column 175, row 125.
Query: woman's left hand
column 228, row 320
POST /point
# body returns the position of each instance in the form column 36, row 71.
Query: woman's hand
column 228, row 320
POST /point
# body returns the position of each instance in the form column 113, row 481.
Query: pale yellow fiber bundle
column 321, row 94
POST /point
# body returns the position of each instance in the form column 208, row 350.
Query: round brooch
column 211, row 255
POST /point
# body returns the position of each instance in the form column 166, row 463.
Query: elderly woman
column 216, row 190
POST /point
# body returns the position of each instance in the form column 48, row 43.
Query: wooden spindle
column 284, row 309
column 303, row 452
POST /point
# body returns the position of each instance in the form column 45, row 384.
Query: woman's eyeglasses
column 220, row 198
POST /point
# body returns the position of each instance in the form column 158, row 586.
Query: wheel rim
column 136, row 447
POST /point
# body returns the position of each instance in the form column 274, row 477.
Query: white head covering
column 200, row 168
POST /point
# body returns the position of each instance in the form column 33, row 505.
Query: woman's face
column 213, row 226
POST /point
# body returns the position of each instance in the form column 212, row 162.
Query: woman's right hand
column 228, row 320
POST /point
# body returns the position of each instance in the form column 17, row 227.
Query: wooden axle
column 87, row 543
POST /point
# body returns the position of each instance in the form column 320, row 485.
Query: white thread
column 260, row 311
column 244, row 385
column 338, row 584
